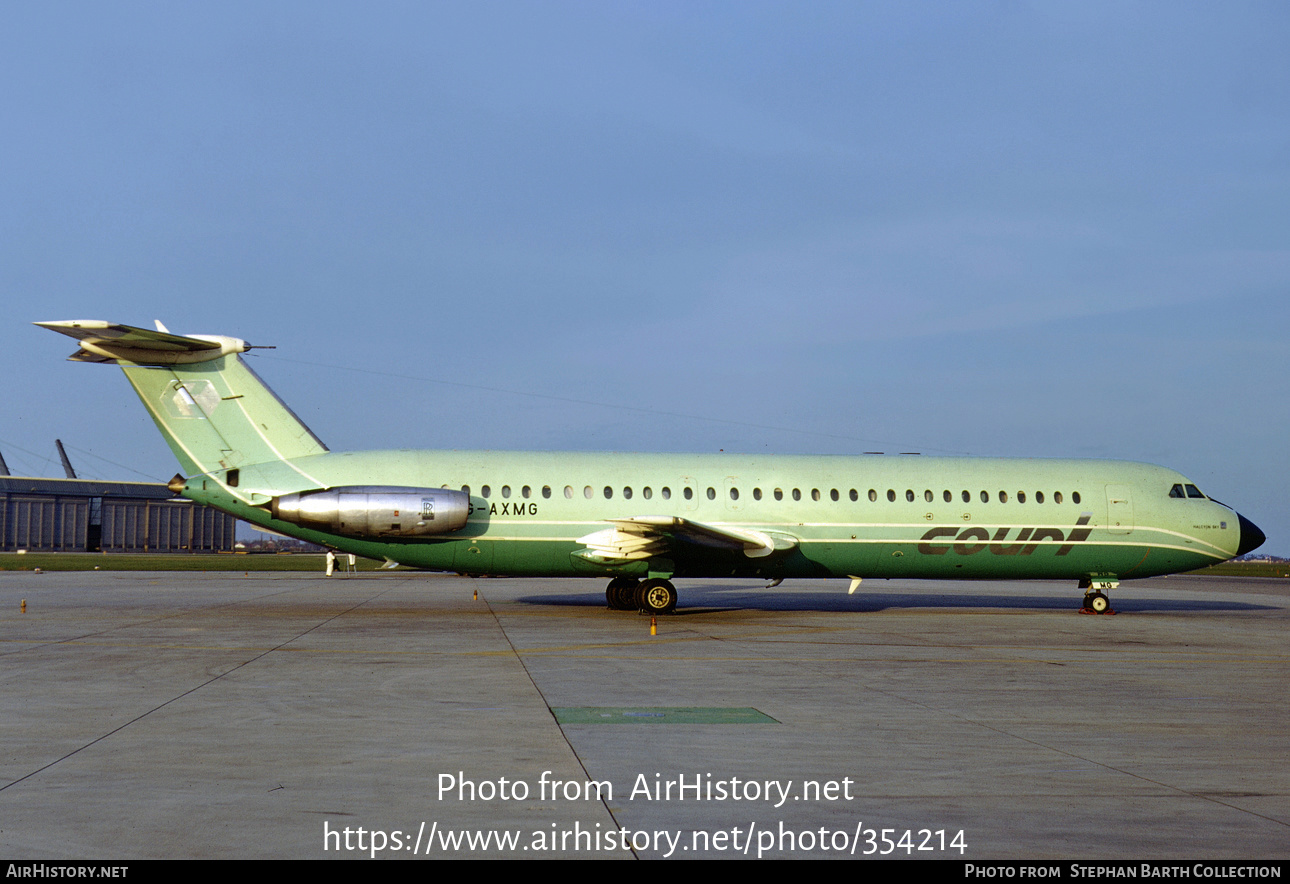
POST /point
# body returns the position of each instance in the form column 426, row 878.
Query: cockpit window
column 1193, row 491
column 1177, row 491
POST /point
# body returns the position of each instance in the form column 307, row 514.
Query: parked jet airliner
column 642, row 519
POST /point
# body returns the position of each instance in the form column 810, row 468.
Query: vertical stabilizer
column 219, row 415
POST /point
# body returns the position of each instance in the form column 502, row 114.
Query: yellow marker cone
column 653, row 626
column 24, row 606
column 477, row 595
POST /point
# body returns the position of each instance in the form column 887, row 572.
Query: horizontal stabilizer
column 216, row 414
column 109, row 342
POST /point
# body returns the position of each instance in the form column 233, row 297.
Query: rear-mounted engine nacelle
column 375, row 511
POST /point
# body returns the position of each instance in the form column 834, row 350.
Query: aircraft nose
column 1251, row 537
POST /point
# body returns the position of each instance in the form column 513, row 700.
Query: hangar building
column 84, row 515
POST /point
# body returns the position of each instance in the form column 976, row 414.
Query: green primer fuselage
column 540, row 503
column 660, row 515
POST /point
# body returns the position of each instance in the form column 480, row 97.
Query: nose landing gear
column 1095, row 600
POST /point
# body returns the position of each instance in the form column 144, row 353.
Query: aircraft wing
column 645, row 537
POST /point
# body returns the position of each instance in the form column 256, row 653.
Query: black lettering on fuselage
column 1078, row 533
column 965, row 549
column 972, row 540
column 928, row 549
column 520, row 509
column 1042, row 534
column 1011, row 549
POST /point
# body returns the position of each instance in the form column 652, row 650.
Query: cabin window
column 855, row 495
column 873, row 495
column 756, row 494
column 546, row 492
column 927, row 495
column 465, row 489
column 1003, row 497
column 588, row 493
column 891, row 495
column 734, row 493
column 815, row 494
column 948, row 496
column 1021, row 497
column 909, row 495
column 609, row 492
column 967, row 496
column 833, row 495
column 526, row 492
column 1039, row 497
column 627, row 492
column 666, row 492
column 1074, row 497
column 712, row 493
column 568, row 492
column 688, row 492
column 1057, row 497
column 646, row 492
column 985, row 497
column 486, row 491
column 797, row 495
column 506, row 491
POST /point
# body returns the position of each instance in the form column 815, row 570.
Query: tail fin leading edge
column 214, row 411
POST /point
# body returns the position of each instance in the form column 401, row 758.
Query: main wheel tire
column 621, row 594
column 657, row 597
column 1098, row 603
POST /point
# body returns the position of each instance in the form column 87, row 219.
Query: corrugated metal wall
column 44, row 523
column 62, row 523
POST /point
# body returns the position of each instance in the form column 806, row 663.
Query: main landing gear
column 621, row 594
column 1095, row 600
column 653, row 596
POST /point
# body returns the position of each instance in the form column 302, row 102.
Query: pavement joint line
column 519, row 657
column 101, row 737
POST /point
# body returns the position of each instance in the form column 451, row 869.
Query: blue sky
column 1038, row 229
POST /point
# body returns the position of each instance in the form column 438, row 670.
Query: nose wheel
column 1095, row 600
column 1097, row 603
